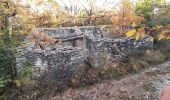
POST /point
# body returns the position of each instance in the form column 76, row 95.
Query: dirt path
column 145, row 85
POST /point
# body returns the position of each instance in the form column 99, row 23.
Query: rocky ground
column 145, row 85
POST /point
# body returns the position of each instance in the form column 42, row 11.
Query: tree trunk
column 8, row 24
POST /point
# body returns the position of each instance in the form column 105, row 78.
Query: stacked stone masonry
column 81, row 44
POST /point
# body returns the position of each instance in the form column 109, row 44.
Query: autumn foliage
column 126, row 17
column 136, row 33
column 41, row 38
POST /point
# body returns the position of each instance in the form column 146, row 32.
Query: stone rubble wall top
column 67, row 32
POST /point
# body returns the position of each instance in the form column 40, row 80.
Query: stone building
column 81, row 45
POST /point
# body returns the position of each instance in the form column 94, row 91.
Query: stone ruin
column 81, row 47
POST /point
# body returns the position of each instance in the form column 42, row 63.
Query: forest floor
column 145, row 85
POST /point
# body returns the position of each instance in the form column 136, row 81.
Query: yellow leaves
column 136, row 34
column 158, row 26
column 165, row 35
column 131, row 33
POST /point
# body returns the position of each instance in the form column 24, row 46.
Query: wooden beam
column 71, row 39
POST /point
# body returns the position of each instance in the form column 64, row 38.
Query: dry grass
column 154, row 56
column 131, row 65
column 110, row 70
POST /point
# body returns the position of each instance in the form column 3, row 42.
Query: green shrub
column 7, row 60
column 2, row 84
column 25, row 72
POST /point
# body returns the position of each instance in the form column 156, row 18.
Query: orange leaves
column 164, row 35
column 41, row 38
column 125, row 16
column 34, row 35
column 140, row 33
column 116, row 20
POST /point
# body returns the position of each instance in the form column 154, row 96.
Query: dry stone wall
column 68, row 32
column 60, row 62
column 116, row 49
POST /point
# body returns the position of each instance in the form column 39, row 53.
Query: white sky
column 99, row 3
